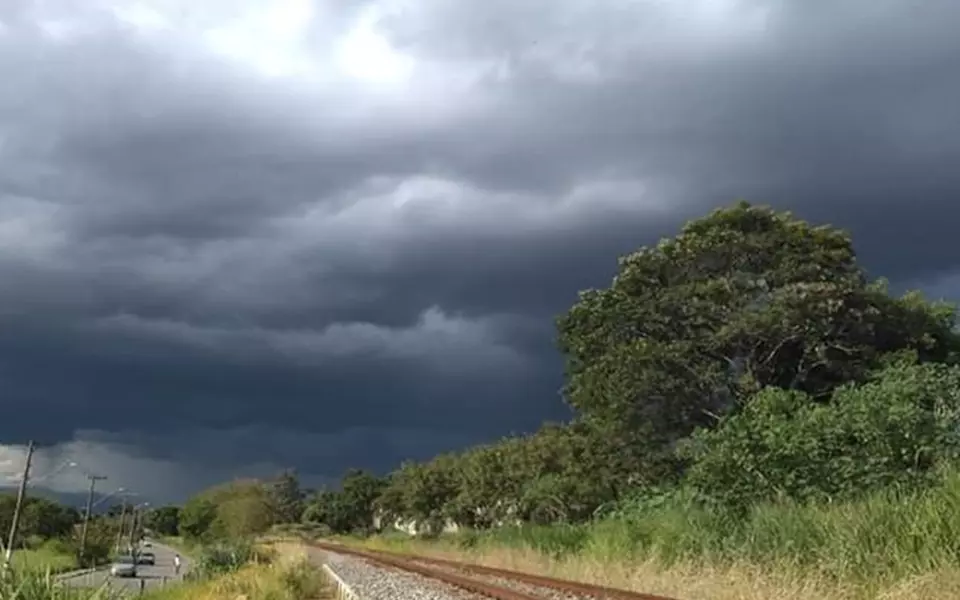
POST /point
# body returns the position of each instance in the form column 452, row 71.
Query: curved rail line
column 415, row 564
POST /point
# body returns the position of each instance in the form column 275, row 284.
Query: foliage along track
column 415, row 564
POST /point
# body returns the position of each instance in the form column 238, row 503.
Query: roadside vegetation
column 295, row 581
column 755, row 418
column 225, row 530
column 49, row 532
column 227, row 570
column 246, row 509
column 53, row 555
column 48, row 543
column 48, row 536
column 36, row 585
column 281, row 580
column 241, row 566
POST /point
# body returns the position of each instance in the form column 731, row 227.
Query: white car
column 123, row 566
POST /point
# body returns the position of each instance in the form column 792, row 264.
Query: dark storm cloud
column 847, row 113
column 216, row 273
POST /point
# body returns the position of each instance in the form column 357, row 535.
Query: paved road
column 160, row 574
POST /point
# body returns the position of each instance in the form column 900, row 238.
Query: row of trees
column 40, row 518
column 749, row 358
column 244, row 508
column 45, row 522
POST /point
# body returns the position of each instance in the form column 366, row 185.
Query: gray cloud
column 234, row 240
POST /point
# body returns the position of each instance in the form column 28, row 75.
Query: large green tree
column 424, row 493
column 349, row 509
column 561, row 472
column 573, row 469
column 197, row 516
column 164, row 520
column 740, row 300
column 286, row 498
column 230, row 510
column 359, row 492
column 488, row 482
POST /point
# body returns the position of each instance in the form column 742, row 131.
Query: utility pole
column 21, row 494
column 133, row 527
column 123, row 517
column 134, row 517
column 86, row 515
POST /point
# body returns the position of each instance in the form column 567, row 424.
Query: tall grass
column 227, row 557
column 282, row 580
column 873, row 544
column 21, row 584
column 886, row 534
column 54, row 555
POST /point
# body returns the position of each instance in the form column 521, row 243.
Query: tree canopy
column 164, row 520
column 40, row 517
column 286, row 498
column 231, row 510
column 351, row 509
column 741, row 300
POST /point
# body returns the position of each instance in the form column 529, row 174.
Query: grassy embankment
column 890, row 546
column 53, row 556
column 287, row 576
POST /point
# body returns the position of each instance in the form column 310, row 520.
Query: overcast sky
column 261, row 234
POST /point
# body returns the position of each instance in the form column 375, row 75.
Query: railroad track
column 490, row 582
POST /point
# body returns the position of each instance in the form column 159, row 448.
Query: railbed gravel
column 521, row 586
column 372, row 582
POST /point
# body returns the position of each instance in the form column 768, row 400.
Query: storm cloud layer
column 327, row 234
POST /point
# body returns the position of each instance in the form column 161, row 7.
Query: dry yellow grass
column 286, row 551
column 696, row 582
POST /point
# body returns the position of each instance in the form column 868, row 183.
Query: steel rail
column 408, row 563
column 479, row 587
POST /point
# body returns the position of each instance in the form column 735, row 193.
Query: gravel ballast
column 527, row 588
column 371, row 582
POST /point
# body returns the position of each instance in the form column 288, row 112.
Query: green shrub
column 226, row 557
column 889, row 433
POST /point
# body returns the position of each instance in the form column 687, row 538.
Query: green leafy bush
column 224, row 557
column 888, row 433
